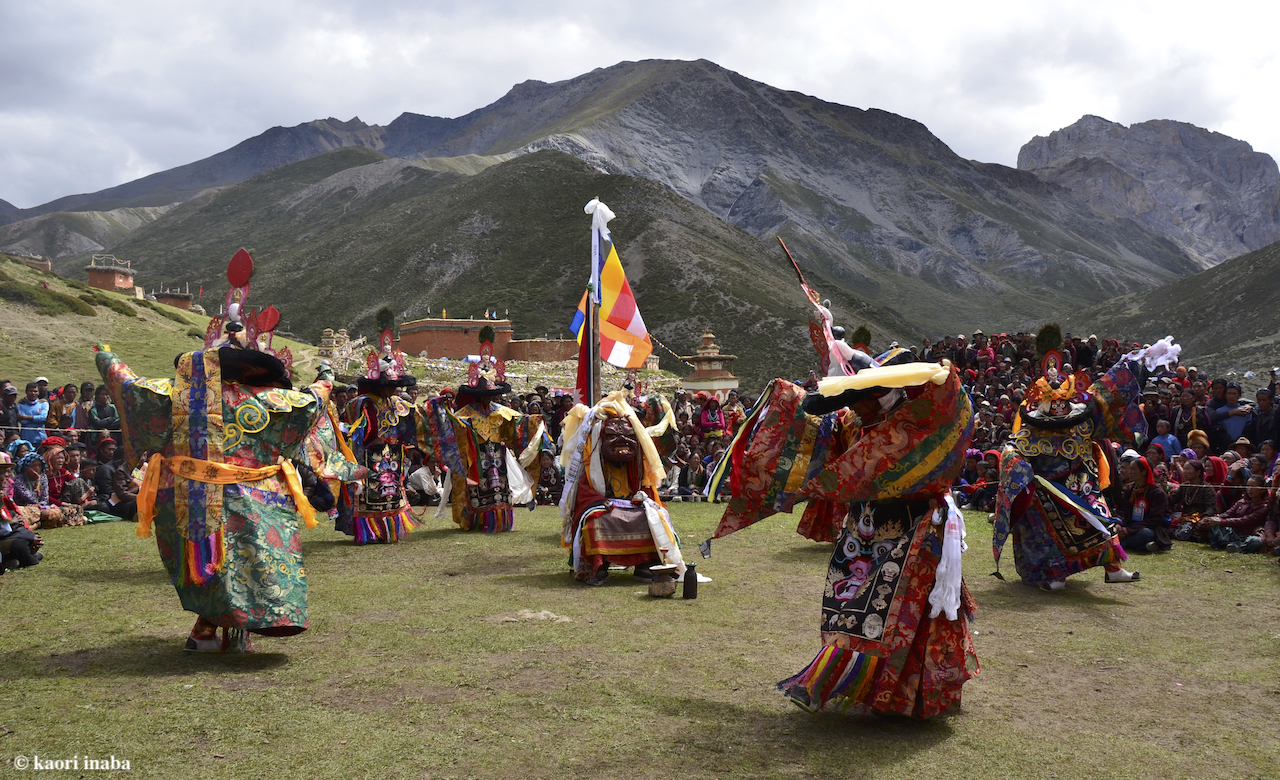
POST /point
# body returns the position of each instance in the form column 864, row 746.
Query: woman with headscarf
column 1193, row 500
column 1144, row 510
column 711, row 420
column 59, row 477
column 19, row 447
column 31, row 493
column 19, row 545
column 1240, row 528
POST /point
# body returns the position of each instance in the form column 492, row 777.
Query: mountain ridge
column 1211, row 194
column 338, row 236
column 870, row 200
column 1227, row 318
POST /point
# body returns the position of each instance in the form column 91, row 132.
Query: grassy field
column 419, row 664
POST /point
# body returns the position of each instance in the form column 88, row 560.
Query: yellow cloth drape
column 215, row 474
column 1104, row 467
column 616, row 403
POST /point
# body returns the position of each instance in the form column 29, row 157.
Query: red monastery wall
column 459, row 338
column 542, row 350
column 452, row 338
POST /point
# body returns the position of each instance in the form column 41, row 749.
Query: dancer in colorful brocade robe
column 610, row 508
column 884, row 445
column 492, row 454
column 1054, row 473
column 328, row 454
column 384, row 428
column 220, row 490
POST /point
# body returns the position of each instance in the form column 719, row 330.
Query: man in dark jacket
column 8, row 410
column 1262, row 427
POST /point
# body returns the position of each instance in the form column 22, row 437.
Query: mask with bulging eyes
column 618, row 442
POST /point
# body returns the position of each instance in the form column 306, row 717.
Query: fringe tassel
column 1115, row 554
column 203, row 560
column 236, row 640
column 384, row 530
column 490, row 521
column 836, row 676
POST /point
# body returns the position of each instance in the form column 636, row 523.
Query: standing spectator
column 103, row 417
column 712, row 421
column 1086, row 352
column 82, row 405
column 1180, row 379
column 33, row 412
column 1167, row 441
column 1217, row 394
column 42, row 387
column 734, row 413
column 1188, row 417
column 64, row 402
column 1152, row 409
column 1262, row 427
column 9, row 410
column 1229, row 418
column 1268, row 450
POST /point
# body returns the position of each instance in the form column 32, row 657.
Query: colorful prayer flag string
column 655, row 340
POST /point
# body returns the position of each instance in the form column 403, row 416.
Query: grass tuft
column 47, row 302
column 117, row 305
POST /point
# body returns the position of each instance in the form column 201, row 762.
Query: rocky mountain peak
column 1211, row 194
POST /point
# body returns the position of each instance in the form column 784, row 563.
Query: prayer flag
column 624, row 340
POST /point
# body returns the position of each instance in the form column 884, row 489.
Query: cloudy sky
column 93, row 94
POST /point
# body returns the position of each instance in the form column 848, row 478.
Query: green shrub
column 195, row 333
column 46, row 302
column 117, row 305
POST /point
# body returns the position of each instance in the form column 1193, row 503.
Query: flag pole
column 595, row 353
column 595, row 329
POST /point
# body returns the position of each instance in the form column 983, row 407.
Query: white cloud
column 95, row 94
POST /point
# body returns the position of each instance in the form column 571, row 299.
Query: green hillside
column 51, row 331
column 1227, row 318
column 338, row 236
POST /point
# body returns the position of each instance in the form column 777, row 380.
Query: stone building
column 106, row 272
column 450, row 338
column 711, row 372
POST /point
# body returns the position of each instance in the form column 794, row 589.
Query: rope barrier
column 59, row 431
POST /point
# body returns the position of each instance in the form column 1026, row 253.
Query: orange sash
column 214, row 474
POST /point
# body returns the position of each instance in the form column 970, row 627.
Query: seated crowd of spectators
column 60, row 465
column 1207, row 470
